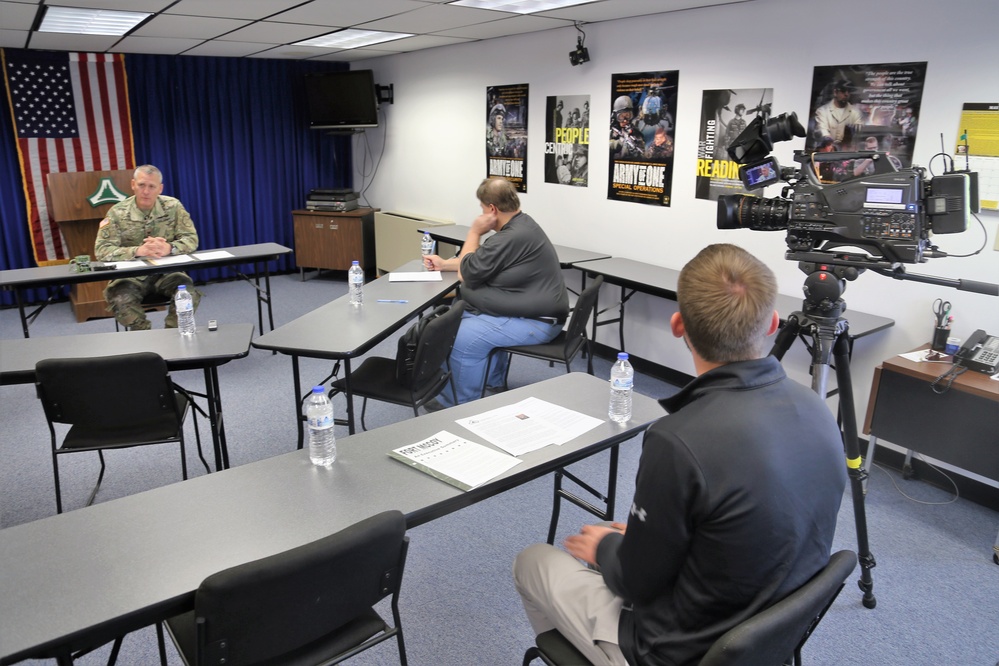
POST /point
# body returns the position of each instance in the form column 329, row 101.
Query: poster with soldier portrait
column 642, row 126
column 858, row 108
column 567, row 140
column 725, row 114
column 506, row 133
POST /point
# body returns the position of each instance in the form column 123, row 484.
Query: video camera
column 843, row 199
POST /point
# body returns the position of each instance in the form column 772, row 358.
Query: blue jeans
column 477, row 336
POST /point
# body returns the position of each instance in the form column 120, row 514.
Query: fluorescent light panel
column 352, row 39
column 90, row 21
column 519, row 6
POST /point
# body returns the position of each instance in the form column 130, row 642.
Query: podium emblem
column 106, row 193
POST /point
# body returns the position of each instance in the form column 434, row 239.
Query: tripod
column 821, row 318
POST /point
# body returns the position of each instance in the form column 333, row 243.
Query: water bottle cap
column 622, row 356
column 183, row 286
column 355, row 263
column 318, row 389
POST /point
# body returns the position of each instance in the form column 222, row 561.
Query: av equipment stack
column 335, row 200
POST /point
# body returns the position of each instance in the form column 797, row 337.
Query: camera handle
column 821, row 319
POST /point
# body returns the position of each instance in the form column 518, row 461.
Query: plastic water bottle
column 322, row 442
column 426, row 248
column 355, row 282
column 621, row 382
column 184, row 305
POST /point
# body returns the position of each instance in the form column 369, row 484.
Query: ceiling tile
column 13, row 39
column 508, row 26
column 172, row 25
column 434, row 18
column 418, row 42
column 272, row 32
column 618, row 9
column 291, row 52
column 244, row 9
column 161, row 45
column 347, row 12
column 117, row 5
column 221, row 49
column 17, row 15
column 60, row 41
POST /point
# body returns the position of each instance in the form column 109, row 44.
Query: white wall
column 434, row 148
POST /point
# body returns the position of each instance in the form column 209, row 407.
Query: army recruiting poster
column 567, row 140
column 642, row 123
column 861, row 108
column 724, row 116
column 506, row 133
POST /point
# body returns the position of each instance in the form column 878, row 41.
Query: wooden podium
column 68, row 196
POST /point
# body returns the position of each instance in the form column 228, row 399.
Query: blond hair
column 726, row 298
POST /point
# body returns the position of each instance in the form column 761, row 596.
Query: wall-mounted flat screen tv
column 342, row 100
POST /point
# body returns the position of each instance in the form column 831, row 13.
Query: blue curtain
column 232, row 140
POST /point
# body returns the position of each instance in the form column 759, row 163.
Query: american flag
column 70, row 114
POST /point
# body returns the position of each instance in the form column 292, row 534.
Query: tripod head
column 824, row 288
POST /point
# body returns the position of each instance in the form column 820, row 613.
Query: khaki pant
column 560, row 592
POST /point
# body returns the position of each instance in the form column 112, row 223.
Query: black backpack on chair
column 405, row 358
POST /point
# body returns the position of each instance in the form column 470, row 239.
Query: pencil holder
column 940, row 339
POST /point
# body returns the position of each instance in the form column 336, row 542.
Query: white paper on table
column 172, row 259
column 127, row 264
column 420, row 276
column 214, row 254
column 529, row 425
column 455, row 460
column 925, row 355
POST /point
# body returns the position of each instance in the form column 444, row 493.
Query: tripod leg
column 786, row 335
column 855, row 468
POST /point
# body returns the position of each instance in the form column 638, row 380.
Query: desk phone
column 980, row 353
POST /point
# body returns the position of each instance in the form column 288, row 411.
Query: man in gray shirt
column 512, row 286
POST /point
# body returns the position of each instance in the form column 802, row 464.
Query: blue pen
column 390, row 300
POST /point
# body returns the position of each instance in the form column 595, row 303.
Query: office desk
column 206, row 350
column 634, row 276
column 341, row 332
column 87, row 575
column 19, row 279
column 958, row 426
column 456, row 234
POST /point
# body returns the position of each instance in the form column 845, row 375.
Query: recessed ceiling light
column 352, row 39
column 519, row 6
column 90, row 21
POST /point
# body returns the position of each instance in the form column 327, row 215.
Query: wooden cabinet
column 327, row 240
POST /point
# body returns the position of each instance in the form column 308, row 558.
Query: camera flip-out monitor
column 760, row 174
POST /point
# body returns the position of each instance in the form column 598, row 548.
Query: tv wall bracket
column 386, row 94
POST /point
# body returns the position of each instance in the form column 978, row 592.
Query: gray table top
column 52, row 275
column 341, row 330
column 124, row 563
column 661, row 281
column 456, row 234
column 204, row 349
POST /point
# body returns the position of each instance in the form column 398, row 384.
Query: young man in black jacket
column 736, row 498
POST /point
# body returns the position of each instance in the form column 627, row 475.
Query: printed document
column 529, row 425
column 172, row 259
column 450, row 458
column 416, row 276
column 214, row 254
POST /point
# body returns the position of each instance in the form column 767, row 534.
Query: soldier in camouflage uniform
column 145, row 225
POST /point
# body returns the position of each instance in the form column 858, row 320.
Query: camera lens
column 739, row 211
